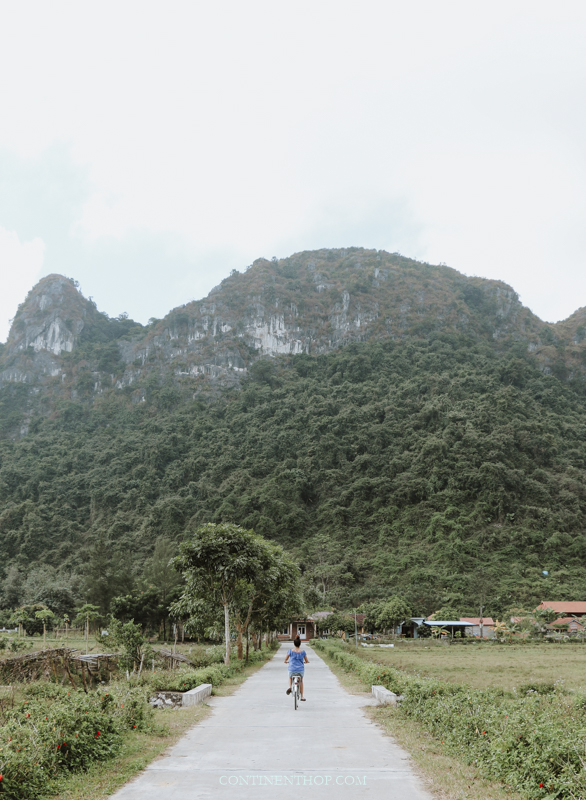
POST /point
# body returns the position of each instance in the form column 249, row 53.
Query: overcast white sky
column 147, row 149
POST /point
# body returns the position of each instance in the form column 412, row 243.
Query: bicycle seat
column 299, row 675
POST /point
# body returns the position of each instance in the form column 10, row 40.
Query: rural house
column 573, row 625
column 304, row 627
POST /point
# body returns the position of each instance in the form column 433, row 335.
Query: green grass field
column 488, row 664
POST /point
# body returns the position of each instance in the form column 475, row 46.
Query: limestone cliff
column 309, row 303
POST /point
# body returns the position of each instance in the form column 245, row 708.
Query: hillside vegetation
column 439, row 468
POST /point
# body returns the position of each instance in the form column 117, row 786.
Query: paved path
column 255, row 745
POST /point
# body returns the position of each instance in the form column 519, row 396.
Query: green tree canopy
column 214, row 561
column 393, row 613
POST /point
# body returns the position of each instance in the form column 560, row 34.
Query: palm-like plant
column 502, row 630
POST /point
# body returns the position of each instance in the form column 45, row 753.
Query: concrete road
column 256, row 745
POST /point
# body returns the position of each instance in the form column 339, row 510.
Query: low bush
column 534, row 742
column 53, row 730
column 186, row 679
column 213, row 655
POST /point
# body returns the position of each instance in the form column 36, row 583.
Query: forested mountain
column 400, row 428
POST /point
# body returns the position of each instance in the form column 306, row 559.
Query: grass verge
column 529, row 742
column 444, row 776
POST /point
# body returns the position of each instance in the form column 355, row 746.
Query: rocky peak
column 312, row 302
column 50, row 319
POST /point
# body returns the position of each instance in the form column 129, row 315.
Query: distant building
column 452, row 626
column 573, row 625
column 317, row 625
column 575, row 608
column 408, row 628
column 488, row 625
column 303, row 627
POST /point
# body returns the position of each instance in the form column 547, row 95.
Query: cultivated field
column 488, row 664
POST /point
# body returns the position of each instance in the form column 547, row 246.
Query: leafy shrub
column 213, row 655
column 185, row 680
column 55, row 730
column 538, row 688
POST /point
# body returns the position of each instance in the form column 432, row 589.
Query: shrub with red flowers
column 57, row 730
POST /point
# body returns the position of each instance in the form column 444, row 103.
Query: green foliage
column 129, row 638
column 87, row 614
column 419, row 468
column 339, row 622
column 215, row 673
column 226, row 566
column 160, row 572
column 531, row 741
column 27, row 616
column 446, row 614
column 393, row 613
column 54, row 731
column 147, row 607
column 371, row 613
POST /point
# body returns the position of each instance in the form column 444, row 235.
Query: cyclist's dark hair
column 297, row 641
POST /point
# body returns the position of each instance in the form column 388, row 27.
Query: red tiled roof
column 564, row 606
column 565, row 621
column 476, row 620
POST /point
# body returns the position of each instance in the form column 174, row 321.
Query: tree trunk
column 239, row 628
column 247, row 645
column 227, row 633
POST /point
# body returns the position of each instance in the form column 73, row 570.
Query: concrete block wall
column 197, row 695
column 384, row 697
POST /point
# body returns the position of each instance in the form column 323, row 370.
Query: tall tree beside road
column 215, row 562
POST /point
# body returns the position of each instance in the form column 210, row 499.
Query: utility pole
column 481, row 625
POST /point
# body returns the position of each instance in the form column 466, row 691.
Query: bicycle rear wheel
column 295, row 697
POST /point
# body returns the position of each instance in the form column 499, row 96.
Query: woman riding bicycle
column 296, row 659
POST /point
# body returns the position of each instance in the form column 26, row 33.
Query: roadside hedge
column 185, row 679
column 533, row 743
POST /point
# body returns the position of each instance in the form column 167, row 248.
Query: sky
column 147, row 149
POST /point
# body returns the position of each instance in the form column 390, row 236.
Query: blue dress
column 295, row 663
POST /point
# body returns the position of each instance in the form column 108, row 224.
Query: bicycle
column 296, row 687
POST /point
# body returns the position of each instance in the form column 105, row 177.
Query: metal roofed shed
column 452, row 626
